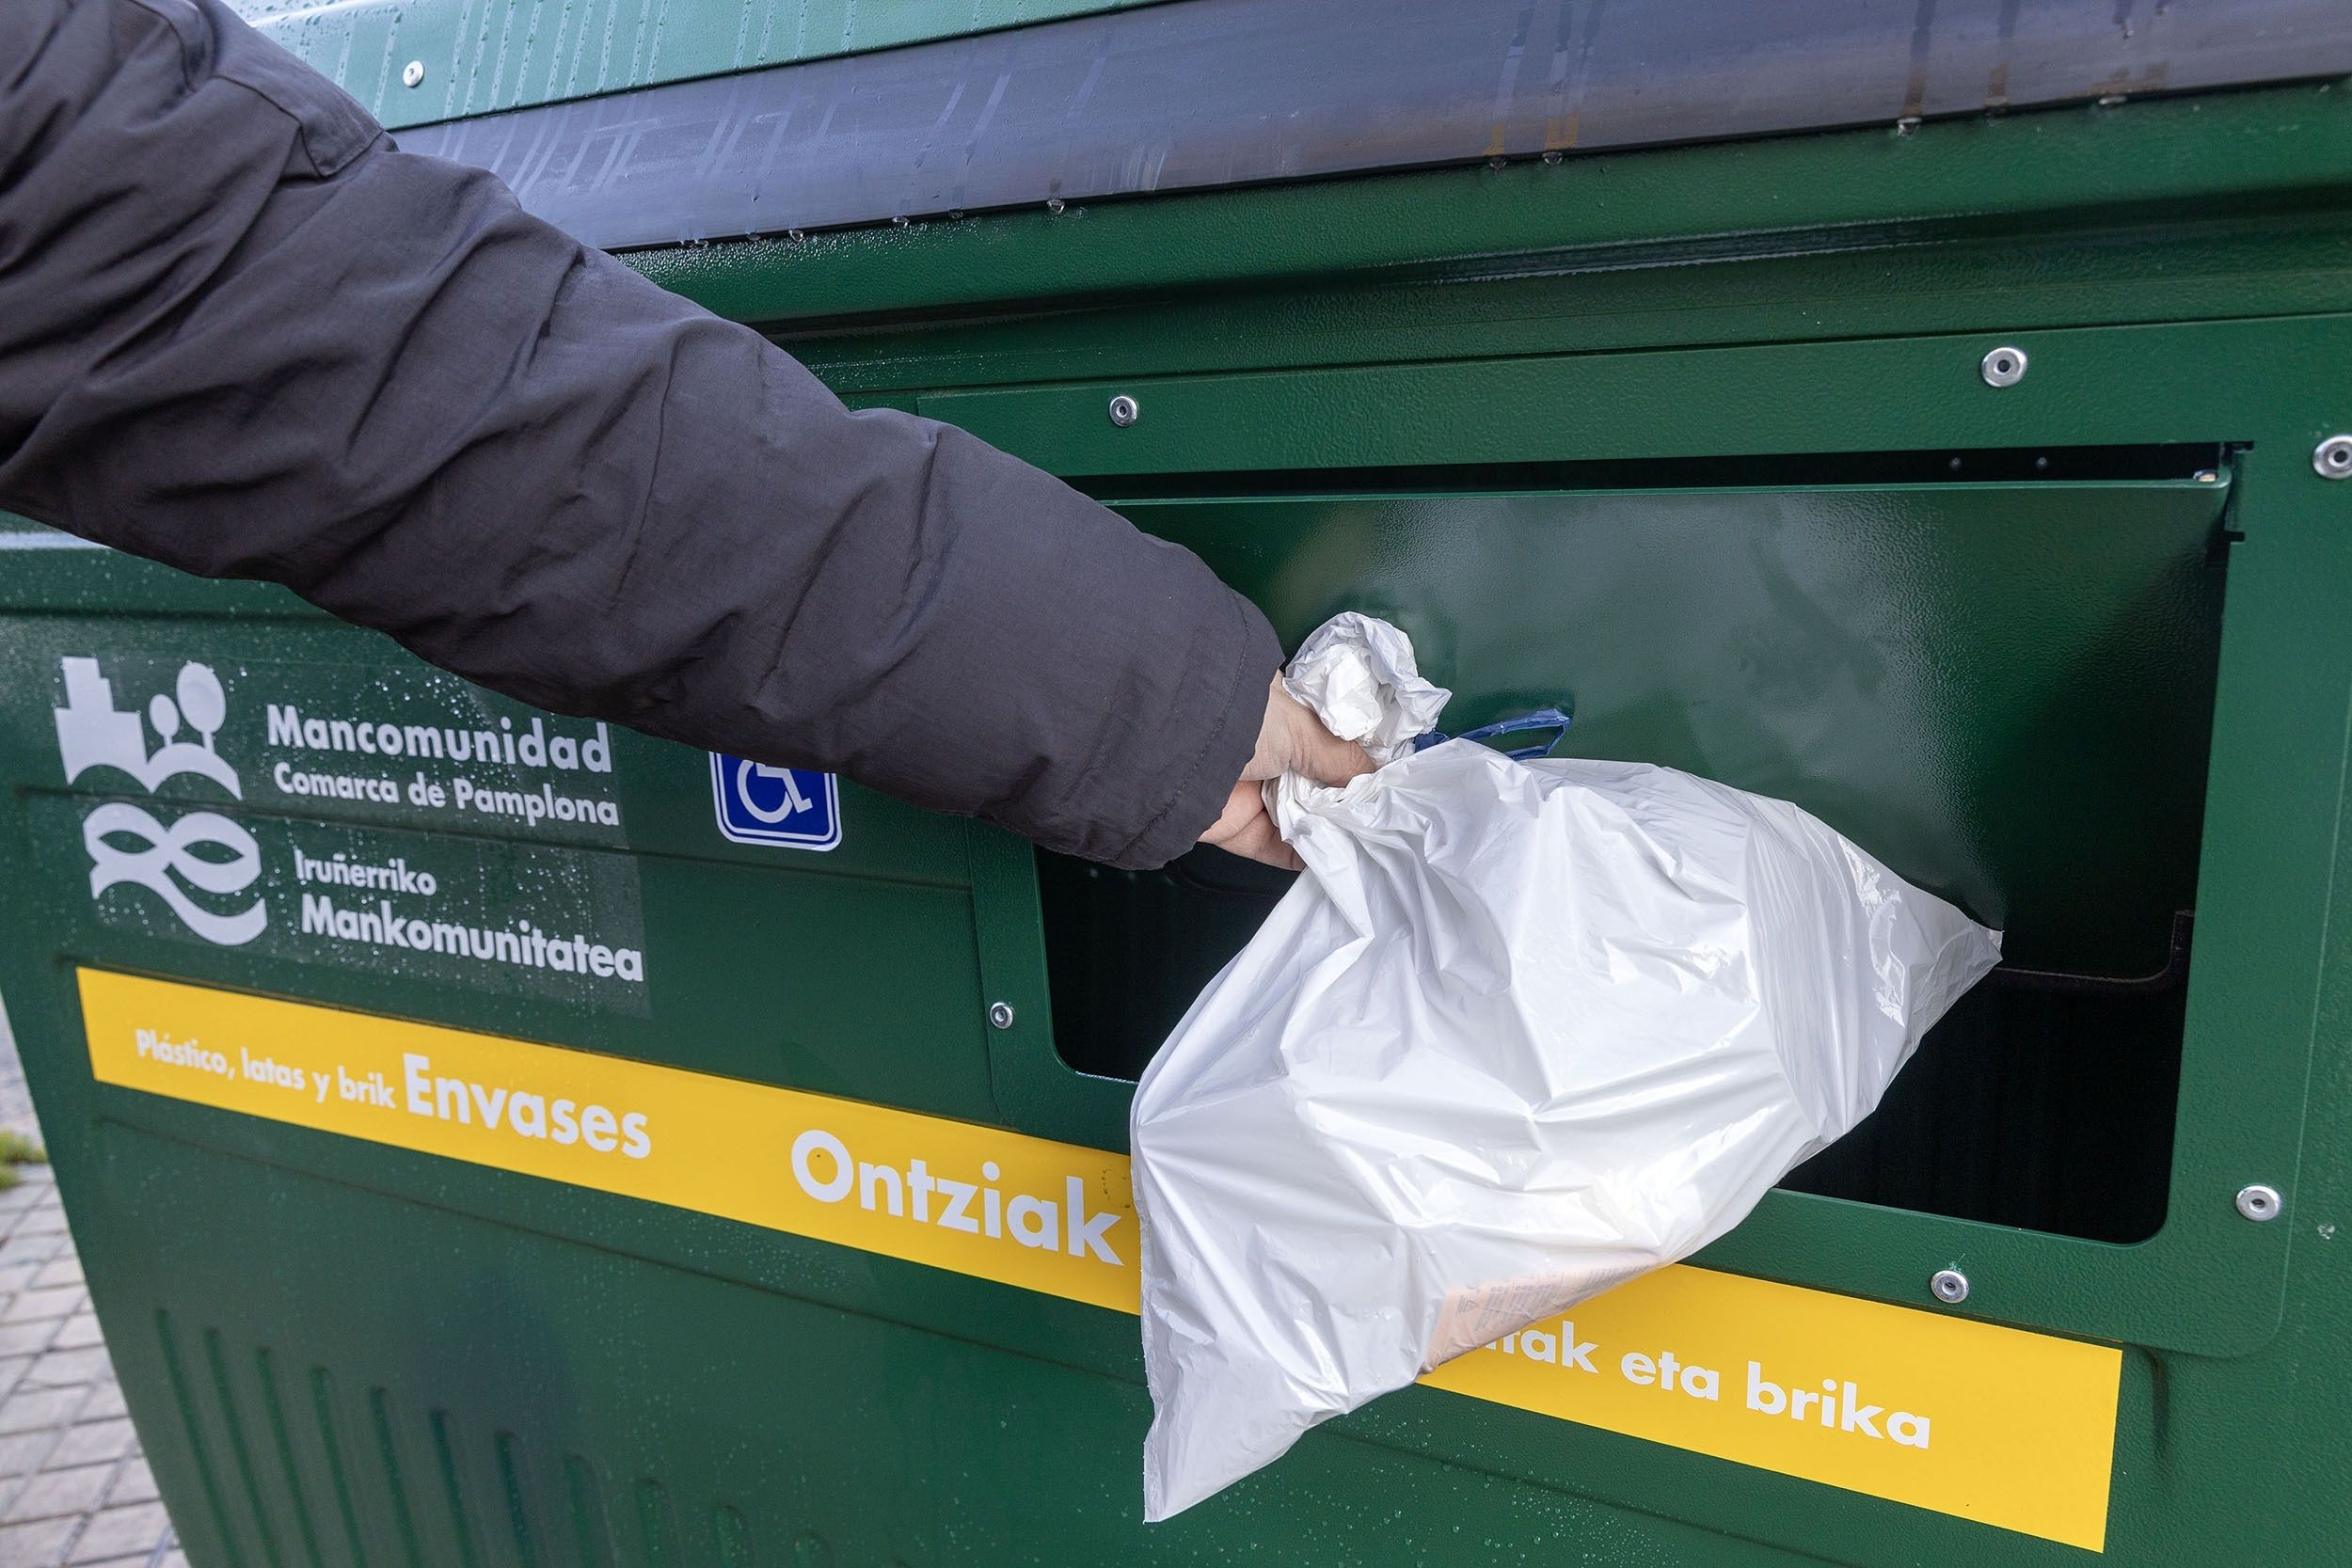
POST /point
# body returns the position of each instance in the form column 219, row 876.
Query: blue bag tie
column 1542, row 719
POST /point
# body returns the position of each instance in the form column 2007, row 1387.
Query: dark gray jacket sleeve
column 241, row 333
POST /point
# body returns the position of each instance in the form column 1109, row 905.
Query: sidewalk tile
column 20, row 1451
column 106, row 1402
column 133, row 1483
column 31, row 1305
column 118, row 1530
column 78, row 1332
column 73, row 1486
column 54, row 1492
column 68, row 1369
column 34, row 1545
column 91, row 1441
column 28, row 1409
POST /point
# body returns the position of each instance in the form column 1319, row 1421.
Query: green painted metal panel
column 2091, row 388
column 344, row 1353
column 2004, row 690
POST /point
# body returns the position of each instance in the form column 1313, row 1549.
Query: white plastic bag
column 1359, row 676
column 1521, row 1030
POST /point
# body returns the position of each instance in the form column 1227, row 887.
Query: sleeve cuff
column 1229, row 707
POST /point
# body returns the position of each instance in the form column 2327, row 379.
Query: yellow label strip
column 1993, row 1424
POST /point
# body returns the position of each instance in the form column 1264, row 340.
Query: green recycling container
column 500, row 1140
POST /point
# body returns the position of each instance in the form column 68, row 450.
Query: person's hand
column 1291, row 740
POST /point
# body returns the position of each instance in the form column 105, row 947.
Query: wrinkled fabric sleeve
column 243, row 333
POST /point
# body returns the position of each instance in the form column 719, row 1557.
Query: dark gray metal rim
column 1204, row 93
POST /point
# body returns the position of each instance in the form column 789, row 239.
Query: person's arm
column 241, row 333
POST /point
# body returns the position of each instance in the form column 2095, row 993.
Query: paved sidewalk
column 73, row 1488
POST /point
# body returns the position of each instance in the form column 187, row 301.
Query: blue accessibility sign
column 790, row 807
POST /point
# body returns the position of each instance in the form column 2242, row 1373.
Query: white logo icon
column 92, row 734
column 793, row 803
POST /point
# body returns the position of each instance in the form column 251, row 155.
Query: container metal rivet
column 1123, row 410
column 1000, row 1014
column 1950, row 1287
column 2004, row 366
column 2208, row 476
column 412, row 74
column 2260, row 1202
column 2333, row 457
